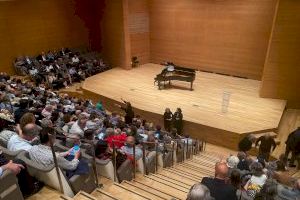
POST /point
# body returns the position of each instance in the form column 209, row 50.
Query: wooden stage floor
column 246, row 113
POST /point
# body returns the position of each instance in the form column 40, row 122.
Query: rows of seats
column 24, row 105
column 60, row 68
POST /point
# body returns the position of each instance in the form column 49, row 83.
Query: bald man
column 218, row 187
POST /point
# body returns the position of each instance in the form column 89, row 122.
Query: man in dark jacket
column 293, row 145
column 246, row 143
column 217, row 186
column 266, row 144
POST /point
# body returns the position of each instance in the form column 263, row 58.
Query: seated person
column 111, row 137
column 80, row 125
column 128, row 149
column 68, row 161
column 199, row 192
column 218, row 187
column 23, row 140
column 257, row 180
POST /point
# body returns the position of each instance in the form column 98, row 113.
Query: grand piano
column 173, row 72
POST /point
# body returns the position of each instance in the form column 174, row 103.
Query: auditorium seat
column 9, row 187
column 47, row 175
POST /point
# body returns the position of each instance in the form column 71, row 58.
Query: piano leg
column 192, row 86
column 159, row 85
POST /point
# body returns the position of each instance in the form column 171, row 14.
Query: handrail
column 56, row 164
column 184, row 146
column 91, row 142
column 134, row 162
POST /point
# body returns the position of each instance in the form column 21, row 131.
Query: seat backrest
column 167, row 159
column 124, row 172
column 84, row 183
column 46, row 175
column 10, row 155
column 9, row 187
column 150, row 162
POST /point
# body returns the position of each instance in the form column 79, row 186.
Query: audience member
column 199, row 192
column 23, row 140
column 218, row 187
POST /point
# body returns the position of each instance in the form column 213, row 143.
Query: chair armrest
column 10, row 154
column 7, row 179
column 102, row 162
column 34, row 165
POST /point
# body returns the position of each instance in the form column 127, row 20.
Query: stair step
column 175, row 192
column 159, row 192
column 186, row 173
column 173, row 180
column 176, row 185
column 201, row 165
column 103, row 195
column 145, row 192
column 63, row 197
column 174, row 176
column 123, row 193
column 183, row 169
column 196, row 166
column 180, row 174
column 84, row 196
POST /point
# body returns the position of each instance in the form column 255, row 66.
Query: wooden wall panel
column 139, row 29
column 222, row 36
column 116, row 41
column 29, row 27
column 282, row 67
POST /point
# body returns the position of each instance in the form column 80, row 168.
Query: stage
column 202, row 108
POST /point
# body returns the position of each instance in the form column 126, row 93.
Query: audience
column 36, row 111
column 58, row 69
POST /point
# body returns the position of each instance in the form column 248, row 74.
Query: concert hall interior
column 149, row 99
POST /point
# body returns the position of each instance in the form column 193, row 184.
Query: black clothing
column 243, row 165
column 293, row 145
column 19, row 113
column 266, row 143
column 129, row 115
column 265, row 146
column 168, row 121
column 219, row 189
column 245, row 144
column 177, row 122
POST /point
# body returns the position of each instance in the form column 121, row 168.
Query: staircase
column 168, row 183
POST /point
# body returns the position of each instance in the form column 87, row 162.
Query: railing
column 187, row 146
column 187, row 151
